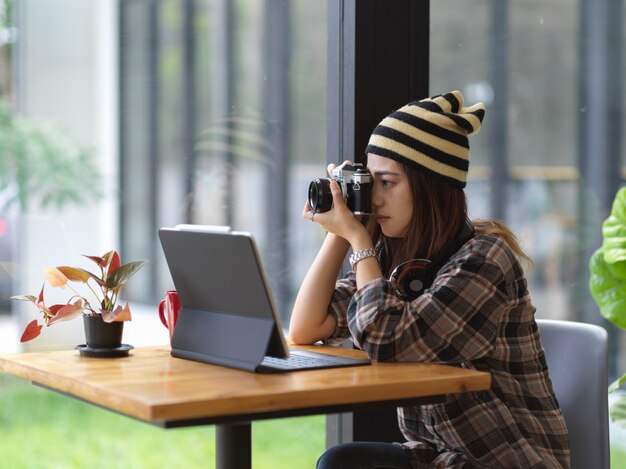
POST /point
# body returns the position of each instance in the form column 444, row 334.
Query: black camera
column 356, row 186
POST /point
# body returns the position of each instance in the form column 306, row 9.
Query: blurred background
column 119, row 117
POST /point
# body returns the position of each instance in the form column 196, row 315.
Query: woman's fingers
column 338, row 201
column 337, row 194
column 307, row 213
column 332, row 166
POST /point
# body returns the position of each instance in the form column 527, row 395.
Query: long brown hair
column 439, row 212
column 498, row 228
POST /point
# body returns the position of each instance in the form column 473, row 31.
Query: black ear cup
column 412, row 278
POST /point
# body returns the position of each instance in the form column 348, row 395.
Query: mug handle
column 162, row 313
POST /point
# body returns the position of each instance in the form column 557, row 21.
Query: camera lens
column 320, row 197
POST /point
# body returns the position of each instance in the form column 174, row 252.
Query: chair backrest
column 577, row 356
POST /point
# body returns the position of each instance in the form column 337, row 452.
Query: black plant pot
column 102, row 335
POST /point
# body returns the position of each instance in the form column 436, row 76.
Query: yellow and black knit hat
column 431, row 135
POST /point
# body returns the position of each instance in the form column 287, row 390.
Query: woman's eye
column 386, row 183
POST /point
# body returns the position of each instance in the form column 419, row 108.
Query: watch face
column 410, row 278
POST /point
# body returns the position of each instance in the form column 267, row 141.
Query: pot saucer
column 121, row 351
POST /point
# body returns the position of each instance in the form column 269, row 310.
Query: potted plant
column 103, row 317
column 608, row 285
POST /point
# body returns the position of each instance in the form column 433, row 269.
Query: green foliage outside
column 42, row 163
column 40, row 429
column 608, row 284
column 618, row 434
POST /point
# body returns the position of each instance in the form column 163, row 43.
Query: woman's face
column 391, row 196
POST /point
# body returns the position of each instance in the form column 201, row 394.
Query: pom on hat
column 430, row 135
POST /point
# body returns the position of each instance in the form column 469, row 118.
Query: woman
column 476, row 313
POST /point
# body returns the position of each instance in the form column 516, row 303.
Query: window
column 223, row 122
column 217, row 112
column 549, row 158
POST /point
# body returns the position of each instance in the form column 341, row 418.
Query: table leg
column 233, row 446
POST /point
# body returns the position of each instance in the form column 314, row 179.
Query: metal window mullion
column 377, row 61
column 189, row 100
column 498, row 135
column 277, row 130
column 154, row 154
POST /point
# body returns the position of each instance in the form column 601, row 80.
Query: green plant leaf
column 617, row 383
column 44, row 164
column 608, row 290
column 116, row 280
column 618, row 411
column 74, row 274
column 614, row 236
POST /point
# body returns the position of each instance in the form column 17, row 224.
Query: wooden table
column 152, row 386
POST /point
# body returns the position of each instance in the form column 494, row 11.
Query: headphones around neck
column 414, row 276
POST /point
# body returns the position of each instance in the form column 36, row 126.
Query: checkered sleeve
column 455, row 320
column 344, row 291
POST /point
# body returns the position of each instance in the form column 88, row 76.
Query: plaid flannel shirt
column 477, row 314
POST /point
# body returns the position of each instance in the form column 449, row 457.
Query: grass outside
column 618, row 439
column 40, row 429
column 618, row 456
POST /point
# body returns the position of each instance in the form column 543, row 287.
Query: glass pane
column 190, row 111
column 7, row 236
column 548, row 158
column 223, row 112
column 58, row 152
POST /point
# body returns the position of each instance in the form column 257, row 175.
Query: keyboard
column 305, row 360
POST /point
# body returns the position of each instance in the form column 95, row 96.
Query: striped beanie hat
column 430, row 135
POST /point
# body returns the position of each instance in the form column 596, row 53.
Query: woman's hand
column 310, row 319
column 339, row 219
column 331, row 167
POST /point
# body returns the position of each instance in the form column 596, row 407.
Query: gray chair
column 577, row 356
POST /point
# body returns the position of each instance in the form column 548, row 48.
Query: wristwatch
column 359, row 255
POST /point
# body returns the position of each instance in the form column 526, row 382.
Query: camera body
column 355, row 182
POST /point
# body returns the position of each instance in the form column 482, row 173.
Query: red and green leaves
column 109, row 283
column 114, row 275
column 118, row 277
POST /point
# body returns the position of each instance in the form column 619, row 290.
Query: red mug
column 172, row 305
